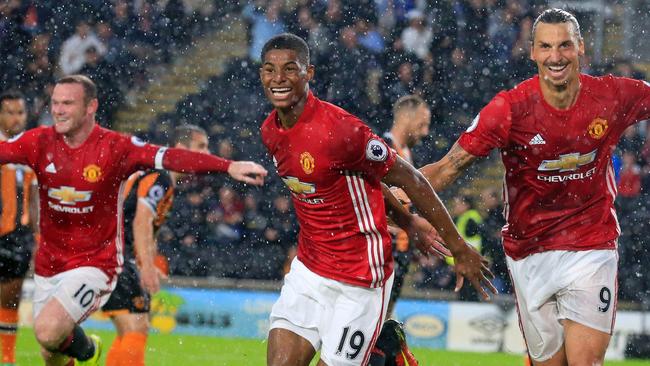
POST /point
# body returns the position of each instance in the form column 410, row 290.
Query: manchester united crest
column 597, row 128
column 92, row 173
column 307, row 162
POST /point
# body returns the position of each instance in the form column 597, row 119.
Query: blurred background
column 159, row 64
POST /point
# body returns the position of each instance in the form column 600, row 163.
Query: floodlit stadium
column 224, row 247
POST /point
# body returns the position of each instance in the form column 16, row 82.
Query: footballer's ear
column 311, row 70
column 92, row 106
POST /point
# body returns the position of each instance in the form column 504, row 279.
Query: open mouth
column 280, row 92
column 557, row 70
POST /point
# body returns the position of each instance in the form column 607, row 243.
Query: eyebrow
column 285, row 64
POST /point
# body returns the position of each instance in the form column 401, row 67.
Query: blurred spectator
column 102, row 73
column 266, row 22
column 417, row 37
column 369, row 38
column 433, row 273
column 347, row 70
column 73, row 52
column 227, row 218
column 404, row 85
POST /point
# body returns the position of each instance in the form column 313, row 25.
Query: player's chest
column 562, row 142
column 304, row 166
column 70, row 178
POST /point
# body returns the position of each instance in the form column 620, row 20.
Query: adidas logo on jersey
column 537, row 140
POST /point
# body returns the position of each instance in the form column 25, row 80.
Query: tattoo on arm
column 459, row 158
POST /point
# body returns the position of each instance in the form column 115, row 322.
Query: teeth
column 280, row 90
column 557, row 68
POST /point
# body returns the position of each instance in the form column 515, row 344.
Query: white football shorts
column 341, row 320
column 555, row 285
column 81, row 291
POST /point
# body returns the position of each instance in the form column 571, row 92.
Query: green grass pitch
column 173, row 350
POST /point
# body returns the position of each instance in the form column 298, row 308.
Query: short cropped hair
column 11, row 95
column 90, row 89
column 183, row 134
column 288, row 41
column 556, row 16
column 408, row 102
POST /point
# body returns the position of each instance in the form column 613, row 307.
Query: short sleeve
column 153, row 189
column 359, row 149
column 635, row 99
column 489, row 129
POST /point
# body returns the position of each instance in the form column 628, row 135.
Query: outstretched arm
column 445, row 171
column 469, row 263
column 185, row 161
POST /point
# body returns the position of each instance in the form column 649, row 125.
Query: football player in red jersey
column 335, row 296
column 81, row 169
column 556, row 133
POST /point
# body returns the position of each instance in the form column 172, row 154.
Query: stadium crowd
column 456, row 54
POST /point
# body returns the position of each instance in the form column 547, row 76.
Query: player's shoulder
column 39, row 132
column 609, row 85
column 119, row 140
column 339, row 120
column 524, row 92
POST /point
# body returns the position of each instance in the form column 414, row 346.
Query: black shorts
column 401, row 269
column 128, row 296
column 15, row 253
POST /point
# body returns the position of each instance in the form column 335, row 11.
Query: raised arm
column 469, row 263
column 445, row 171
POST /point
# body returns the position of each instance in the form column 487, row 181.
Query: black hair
column 288, row 41
column 11, row 95
column 556, row 16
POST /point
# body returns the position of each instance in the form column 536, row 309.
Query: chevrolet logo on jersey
column 69, row 195
column 568, row 162
column 298, row 187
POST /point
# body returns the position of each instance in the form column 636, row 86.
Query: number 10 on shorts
column 86, row 297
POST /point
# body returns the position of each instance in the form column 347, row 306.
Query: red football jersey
column 80, row 194
column 333, row 165
column 559, row 187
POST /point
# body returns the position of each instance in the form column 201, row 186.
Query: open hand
column 471, row 265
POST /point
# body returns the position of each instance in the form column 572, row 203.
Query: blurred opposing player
column 411, row 120
column 334, row 298
column 149, row 197
column 18, row 214
column 81, row 169
column 556, row 132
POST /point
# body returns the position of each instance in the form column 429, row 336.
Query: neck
column 176, row 177
column 289, row 116
column 399, row 135
column 561, row 97
column 76, row 138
